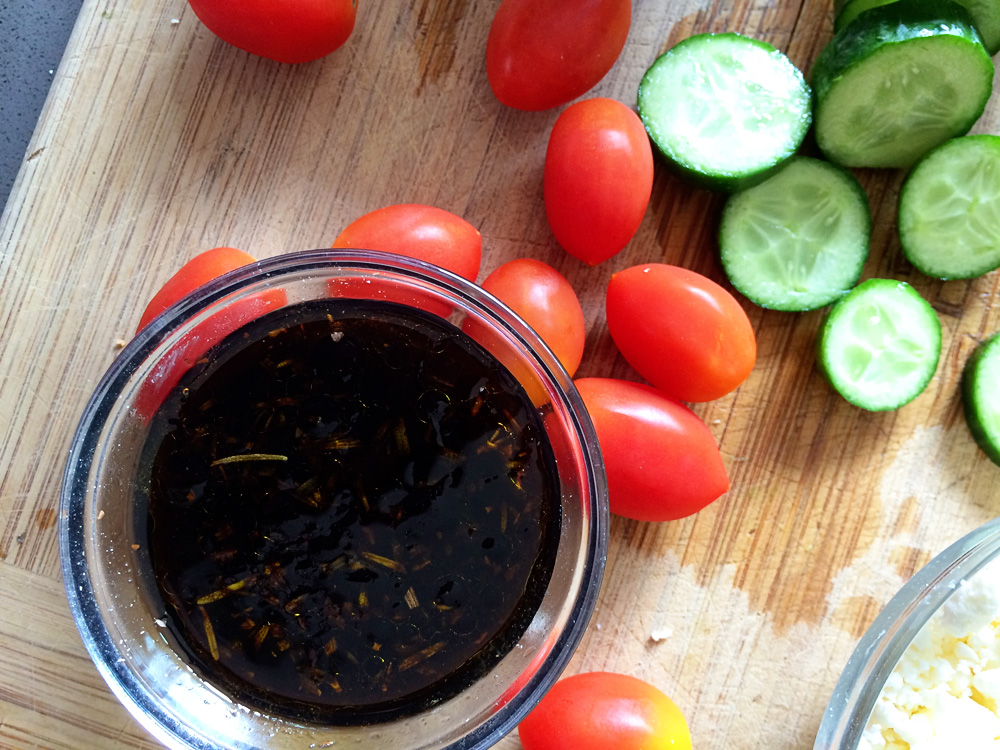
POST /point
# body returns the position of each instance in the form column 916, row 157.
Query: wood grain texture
column 159, row 141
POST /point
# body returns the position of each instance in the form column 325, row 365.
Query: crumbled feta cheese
column 944, row 692
column 660, row 634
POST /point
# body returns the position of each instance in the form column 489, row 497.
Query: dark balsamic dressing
column 353, row 512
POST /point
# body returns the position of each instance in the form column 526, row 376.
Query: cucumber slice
column 985, row 14
column 799, row 240
column 880, row 345
column 724, row 109
column 949, row 209
column 845, row 11
column 900, row 80
column 981, row 396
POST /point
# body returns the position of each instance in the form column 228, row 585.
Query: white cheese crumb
column 944, row 692
column 660, row 634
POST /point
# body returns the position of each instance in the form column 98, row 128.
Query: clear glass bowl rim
column 74, row 490
column 892, row 631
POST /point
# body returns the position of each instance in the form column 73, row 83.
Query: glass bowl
column 884, row 643
column 107, row 570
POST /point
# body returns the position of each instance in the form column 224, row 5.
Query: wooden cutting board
column 159, row 141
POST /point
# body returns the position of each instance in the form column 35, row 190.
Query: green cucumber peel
column 985, row 15
column 981, row 396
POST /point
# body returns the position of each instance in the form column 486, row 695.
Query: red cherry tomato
column 681, row 331
column 598, row 178
column 544, row 298
column 290, row 31
column 199, row 270
column 543, row 53
column 167, row 373
column 661, row 460
column 605, row 710
column 416, row 231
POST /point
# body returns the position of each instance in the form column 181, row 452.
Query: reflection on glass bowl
column 104, row 515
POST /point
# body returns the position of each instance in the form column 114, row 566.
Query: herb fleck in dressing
column 353, row 512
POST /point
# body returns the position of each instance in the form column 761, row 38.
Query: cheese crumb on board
column 944, row 694
column 660, row 634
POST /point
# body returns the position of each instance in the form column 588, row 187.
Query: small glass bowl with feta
column 926, row 674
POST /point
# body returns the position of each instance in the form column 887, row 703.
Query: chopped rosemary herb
column 385, row 562
column 411, row 598
column 248, row 457
column 213, row 646
column 212, row 597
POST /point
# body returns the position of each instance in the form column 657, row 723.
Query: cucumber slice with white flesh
column 899, row 80
column 879, row 346
column 949, row 209
column 798, row 240
column 985, row 14
column 725, row 109
column 981, row 396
